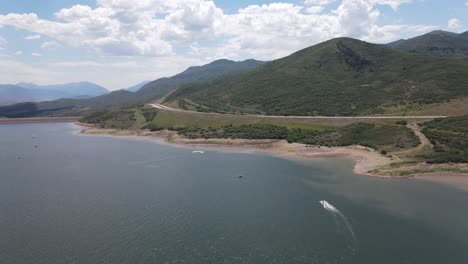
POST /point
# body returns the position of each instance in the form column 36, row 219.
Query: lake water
column 91, row 199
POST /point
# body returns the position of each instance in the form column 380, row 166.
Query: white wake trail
column 341, row 220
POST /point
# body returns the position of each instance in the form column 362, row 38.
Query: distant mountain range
column 437, row 43
column 151, row 91
column 30, row 92
column 137, row 87
column 342, row 76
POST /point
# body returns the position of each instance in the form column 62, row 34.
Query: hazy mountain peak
column 442, row 32
column 31, row 92
column 437, row 43
column 26, row 85
column 137, row 87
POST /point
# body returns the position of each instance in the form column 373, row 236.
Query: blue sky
column 118, row 43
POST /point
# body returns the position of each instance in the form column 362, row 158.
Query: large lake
column 91, row 199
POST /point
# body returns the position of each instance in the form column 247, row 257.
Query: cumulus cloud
column 317, row 6
column 453, row 24
column 3, row 41
column 274, row 30
column 123, row 27
column 161, row 27
column 49, row 45
column 19, row 52
column 35, row 54
column 155, row 38
column 394, row 4
column 32, row 37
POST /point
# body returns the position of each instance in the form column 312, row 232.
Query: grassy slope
column 338, row 77
column 450, row 139
column 382, row 134
column 117, row 99
column 383, row 137
column 454, row 107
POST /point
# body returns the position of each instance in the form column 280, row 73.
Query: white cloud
column 49, row 45
column 316, row 6
column 275, row 30
column 19, row 52
column 32, row 37
column 318, row 2
column 453, row 24
column 177, row 33
column 12, row 72
column 394, row 4
column 3, row 41
column 74, row 64
column 35, row 54
column 161, row 27
column 124, row 27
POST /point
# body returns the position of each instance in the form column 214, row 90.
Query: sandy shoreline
column 366, row 159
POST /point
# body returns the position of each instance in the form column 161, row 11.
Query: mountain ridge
column 437, row 43
column 151, row 91
column 342, row 76
column 30, row 92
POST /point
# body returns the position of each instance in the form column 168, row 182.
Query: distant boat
column 198, row 152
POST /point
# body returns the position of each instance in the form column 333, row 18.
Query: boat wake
column 343, row 226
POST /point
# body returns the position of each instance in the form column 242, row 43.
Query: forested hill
column 437, row 43
column 151, row 91
column 342, row 76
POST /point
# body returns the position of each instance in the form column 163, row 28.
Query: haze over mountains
column 30, row 92
column 342, row 76
column 151, row 91
column 137, row 87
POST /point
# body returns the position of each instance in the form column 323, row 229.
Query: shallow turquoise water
column 86, row 199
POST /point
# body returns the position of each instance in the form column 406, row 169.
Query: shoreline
column 367, row 161
column 31, row 120
column 365, row 158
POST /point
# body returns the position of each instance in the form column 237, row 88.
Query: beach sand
column 366, row 159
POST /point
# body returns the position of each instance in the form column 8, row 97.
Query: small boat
column 198, row 152
column 240, row 177
column 325, row 204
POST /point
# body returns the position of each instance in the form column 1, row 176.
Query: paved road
column 163, row 107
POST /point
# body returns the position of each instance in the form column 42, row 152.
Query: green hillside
column 436, row 43
column 450, row 139
column 339, row 77
column 122, row 98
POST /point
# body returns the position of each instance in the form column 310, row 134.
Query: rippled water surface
column 91, row 199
